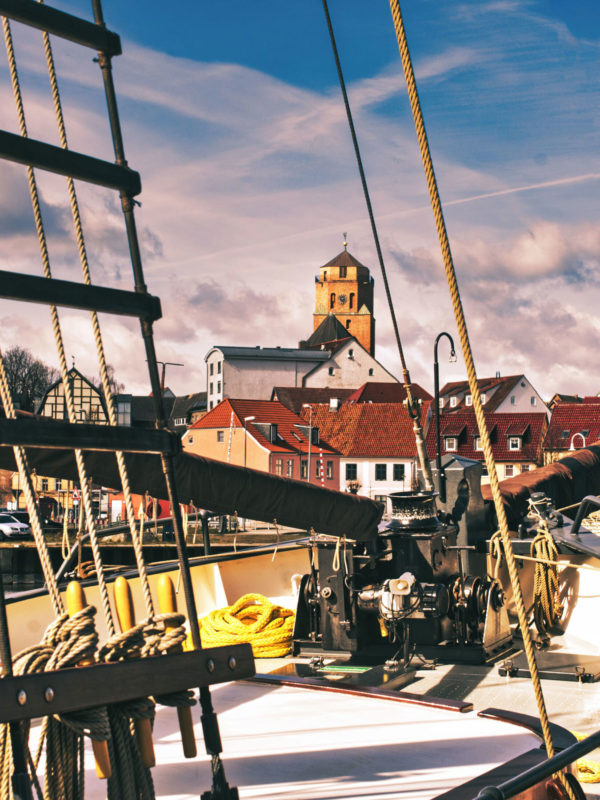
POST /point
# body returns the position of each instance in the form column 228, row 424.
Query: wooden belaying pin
column 126, row 617
column 167, row 603
column 75, row 602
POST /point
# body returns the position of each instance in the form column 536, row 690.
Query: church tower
column 344, row 289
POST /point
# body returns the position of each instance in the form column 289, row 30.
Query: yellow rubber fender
column 253, row 618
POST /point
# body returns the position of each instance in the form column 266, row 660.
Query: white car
column 11, row 528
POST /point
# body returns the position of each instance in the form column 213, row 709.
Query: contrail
column 590, row 176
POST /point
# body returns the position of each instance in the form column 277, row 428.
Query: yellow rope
column 471, row 374
column 253, row 618
column 588, row 771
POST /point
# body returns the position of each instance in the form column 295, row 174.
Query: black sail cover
column 220, row 487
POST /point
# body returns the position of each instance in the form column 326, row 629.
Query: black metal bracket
column 67, row 26
column 63, row 435
column 40, row 694
column 53, row 291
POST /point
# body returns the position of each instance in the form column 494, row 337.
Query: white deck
column 282, row 743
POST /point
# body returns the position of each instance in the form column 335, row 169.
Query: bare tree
column 115, row 386
column 28, row 377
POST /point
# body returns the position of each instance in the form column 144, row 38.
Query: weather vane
column 345, row 242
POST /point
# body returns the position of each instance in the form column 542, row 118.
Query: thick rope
column 471, row 374
column 253, row 618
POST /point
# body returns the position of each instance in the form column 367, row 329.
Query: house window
column 371, row 372
column 325, row 275
column 351, row 299
column 220, row 436
column 514, row 443
column 44, row 484
column 525, row 467
column 351, row 353
column 399, row 472
column 453, row 402
column 329, row 473
column 512, row 400
column 450, row 443
column 468, row 400
column 318, row 468
column 179, row 420
column 289, row 468
column 381, row 472
column 219, row 367
column 351, row 472
column 212, row 369
column 332, row 300
column 343, row 272
column 123, row 413
column 348, row 324
column 484, row 470
column 509, row 470
column 304, row 469
column 478, row 445
column 532, row 400
column 58, row 484
column 483, row 399
column 219, row 387
column 210, row 405
column 210, row 390
column 279, row 466
column 331, row 370
column 441, row 402
column 564, row 434
column 190, row 440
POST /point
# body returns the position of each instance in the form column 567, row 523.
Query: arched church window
column 351, row 299
column 332, row 300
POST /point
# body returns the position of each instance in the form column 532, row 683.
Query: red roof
column 500, row 427
column 569, row 419
column 265, row 412
column 502, row 388
column 368, row 430
column 381, row 392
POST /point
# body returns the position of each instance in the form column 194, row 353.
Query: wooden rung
column 70, row 294
column 67, row 26
column 66, row 162
column 64, row 436
column 103, row 684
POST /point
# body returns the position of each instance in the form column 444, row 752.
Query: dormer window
column 585, row 432
column 514, row 443
column 451, row 443
column 564, row 434
column 453, row 402
column 483, row 399
column 478, row 445
column 468, row 400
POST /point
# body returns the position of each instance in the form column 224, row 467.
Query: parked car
column 11, row 529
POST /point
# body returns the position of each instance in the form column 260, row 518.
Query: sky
column 232, row 114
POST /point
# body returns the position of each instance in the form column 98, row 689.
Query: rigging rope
column 413, row 407
column 471, row 374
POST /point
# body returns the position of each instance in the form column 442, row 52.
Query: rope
column 588, row 771
column 66, row 642
column 412, row 406
column 547, row 606
column 471, row 374
column 254, row 619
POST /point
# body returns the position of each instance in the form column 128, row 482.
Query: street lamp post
column 246, row 420
column 308, row 405
column 572, row 446
column 436, row 392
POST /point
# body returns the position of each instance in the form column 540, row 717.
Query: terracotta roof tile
column 533, row 425
column 570, row 419
column 380, row 392
column 363, row 430
column 293, row 397
column 290, row 437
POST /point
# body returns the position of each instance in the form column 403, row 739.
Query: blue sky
column 232, row 114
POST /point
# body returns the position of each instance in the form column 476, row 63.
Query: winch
column 403, row 592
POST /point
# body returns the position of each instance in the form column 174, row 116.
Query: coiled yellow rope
column 588, row 771
column 254, row 619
